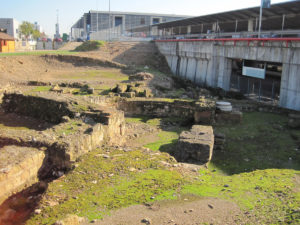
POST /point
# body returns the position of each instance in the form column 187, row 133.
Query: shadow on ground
column 14, row 121
column 261, row 141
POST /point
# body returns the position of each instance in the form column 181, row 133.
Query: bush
column 89, row 46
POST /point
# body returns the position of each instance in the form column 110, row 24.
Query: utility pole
column 97, row 16
column 263, row 4
column 109, row 22
column 260, row 18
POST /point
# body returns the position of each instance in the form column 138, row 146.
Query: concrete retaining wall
column 209, row 63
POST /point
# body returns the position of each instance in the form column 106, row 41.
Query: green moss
column 97, row 192
column 268, row 194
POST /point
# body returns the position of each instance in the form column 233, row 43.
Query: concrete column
column 189, row 29
column 214, row 27
column 250, row 25
column 224, row 73
column 290, row 83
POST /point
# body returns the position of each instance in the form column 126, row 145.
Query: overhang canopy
column 276, row 10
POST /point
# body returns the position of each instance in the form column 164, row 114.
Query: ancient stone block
column 141, row 76
column 195, row 145
column 121, row 88
column 128, row 94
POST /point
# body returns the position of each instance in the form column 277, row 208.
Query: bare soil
column 182, row 212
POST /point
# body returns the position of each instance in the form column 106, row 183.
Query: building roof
column 291, row 7
column 139, row 13
column 4, row 36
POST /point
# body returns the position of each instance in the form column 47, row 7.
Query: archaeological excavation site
column 139, row 133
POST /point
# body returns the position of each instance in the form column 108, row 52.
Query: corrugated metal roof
column 4, row 36
column 292, row 7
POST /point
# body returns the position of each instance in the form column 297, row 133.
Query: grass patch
column 41, row 89
column 267, row 194
column 89, row 46
column 167, row 141
column 49, row 52
column 262, row 141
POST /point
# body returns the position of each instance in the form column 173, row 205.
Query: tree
column 26, row 28
column 36, row 34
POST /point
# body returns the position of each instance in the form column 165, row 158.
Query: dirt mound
column 132, row 53
column 70, row 46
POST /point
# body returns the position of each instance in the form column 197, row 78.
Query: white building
column 38, row 27
column 11, row 26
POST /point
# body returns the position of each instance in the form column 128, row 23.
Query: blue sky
column 44, row 11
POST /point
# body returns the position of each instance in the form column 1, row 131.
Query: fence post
column 259, row 90
column 273, row 89
column 248, row 91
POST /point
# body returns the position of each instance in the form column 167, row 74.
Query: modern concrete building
column 280, row 20
column 11, row 26
column 115, row 23
column 225, row 51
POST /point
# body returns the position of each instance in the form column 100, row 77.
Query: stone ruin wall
column 61, row 154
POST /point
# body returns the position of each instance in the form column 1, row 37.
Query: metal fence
column 258, row 89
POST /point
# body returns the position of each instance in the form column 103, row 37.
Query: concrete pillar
column 289, row 89
column 214, row 27
column 224, row 73
column 189, row 29
column 250, row 25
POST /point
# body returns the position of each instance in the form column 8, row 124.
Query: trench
column 20, row 206
column 27, row 166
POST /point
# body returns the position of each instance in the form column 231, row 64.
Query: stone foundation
column 199, row 112
column 58, row 148
column 195, row 145
column 234, row 117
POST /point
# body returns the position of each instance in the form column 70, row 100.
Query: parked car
column 79, row 40
column 58, row 40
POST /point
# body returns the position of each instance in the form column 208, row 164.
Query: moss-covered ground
column 258, row 170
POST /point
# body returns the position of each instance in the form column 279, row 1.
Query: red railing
column 223, row 40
